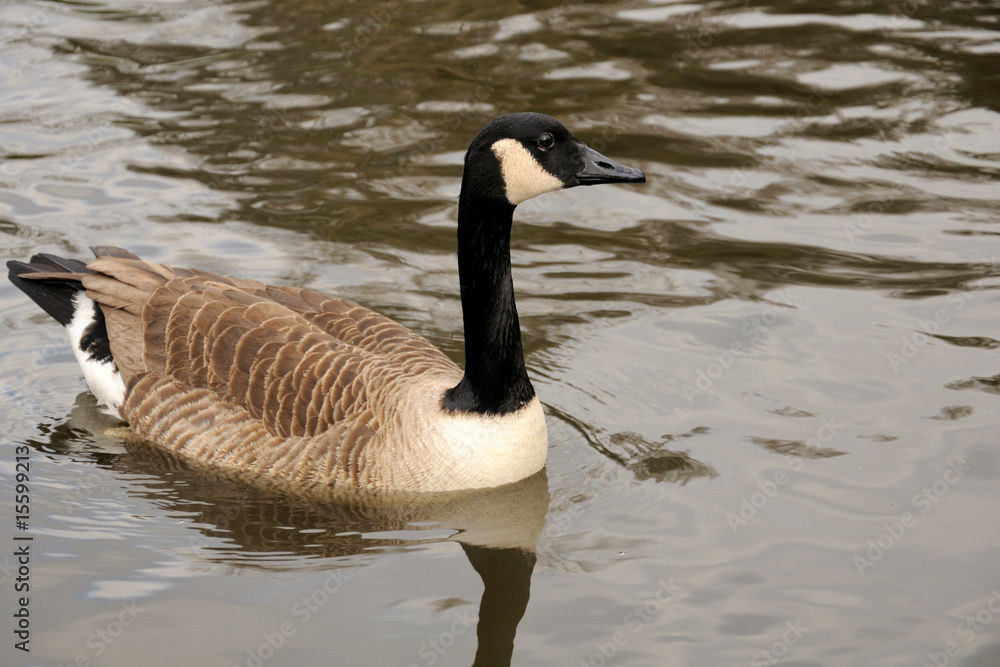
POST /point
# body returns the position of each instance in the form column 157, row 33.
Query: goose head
column 522, row 155
column 514, row 158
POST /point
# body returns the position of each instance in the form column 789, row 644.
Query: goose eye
column 546, row 141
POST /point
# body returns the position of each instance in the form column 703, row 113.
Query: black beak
column 599, row 169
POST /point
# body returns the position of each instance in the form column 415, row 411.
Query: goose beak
column 599, row 169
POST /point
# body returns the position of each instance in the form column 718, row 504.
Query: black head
column 522, row 155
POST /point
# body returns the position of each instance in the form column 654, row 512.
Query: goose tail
column 55, row 285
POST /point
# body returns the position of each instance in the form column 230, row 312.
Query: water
column 770, row 373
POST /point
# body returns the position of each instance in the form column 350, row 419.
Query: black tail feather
column 54, row 295
column 59, row 263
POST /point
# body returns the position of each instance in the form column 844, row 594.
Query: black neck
column 495, row 380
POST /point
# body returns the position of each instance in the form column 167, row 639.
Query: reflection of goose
column 295, row 384
column 275, row 526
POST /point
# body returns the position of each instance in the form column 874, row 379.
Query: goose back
column 294, row 383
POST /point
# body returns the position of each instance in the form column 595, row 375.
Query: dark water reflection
column 278, row 528
column 751, row 365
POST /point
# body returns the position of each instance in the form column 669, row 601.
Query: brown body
column 296, row 384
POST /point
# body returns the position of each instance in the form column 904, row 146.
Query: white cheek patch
column 523, row 176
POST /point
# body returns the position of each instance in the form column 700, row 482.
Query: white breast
column 459, row 450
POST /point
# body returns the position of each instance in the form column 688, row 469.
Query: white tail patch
column 523, row 176
column 102, row 375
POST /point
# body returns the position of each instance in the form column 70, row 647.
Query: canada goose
column 303, row 386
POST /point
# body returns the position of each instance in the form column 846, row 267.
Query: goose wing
column 248, row 375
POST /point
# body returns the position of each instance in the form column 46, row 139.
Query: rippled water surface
column 770, row 374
